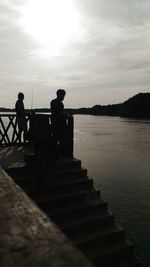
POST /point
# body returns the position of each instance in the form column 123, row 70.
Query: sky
column 98, row 51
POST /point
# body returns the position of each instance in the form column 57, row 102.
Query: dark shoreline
column 135, row 107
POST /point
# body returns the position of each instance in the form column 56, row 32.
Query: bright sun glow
column 53, row 23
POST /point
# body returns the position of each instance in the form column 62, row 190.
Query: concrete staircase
column 69, row 198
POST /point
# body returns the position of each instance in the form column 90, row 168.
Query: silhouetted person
column 59, row 120
column 21, row 118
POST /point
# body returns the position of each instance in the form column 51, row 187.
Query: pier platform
column 68, row 197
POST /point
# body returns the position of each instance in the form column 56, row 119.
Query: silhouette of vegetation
column 137, row 106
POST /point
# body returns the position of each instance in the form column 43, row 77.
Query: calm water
column 116, row 152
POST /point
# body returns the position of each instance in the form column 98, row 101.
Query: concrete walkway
column 13, row 156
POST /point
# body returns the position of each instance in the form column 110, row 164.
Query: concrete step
column 111, row 253
column 68, row 174
column 55, row 175
column 81, row 212
column 62, row 163
column 86, row 223
column 76, row 207
column 57, row 201
column 52, row 187
column 131, row 262
column 15, row 171
column 68, row 163
column 98, row 236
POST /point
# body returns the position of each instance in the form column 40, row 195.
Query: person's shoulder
column 54, row 101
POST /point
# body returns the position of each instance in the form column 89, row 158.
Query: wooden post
column 70, row 142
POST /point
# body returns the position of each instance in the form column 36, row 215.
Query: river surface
column 116, row 152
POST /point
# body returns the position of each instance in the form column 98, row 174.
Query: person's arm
column 17, row 109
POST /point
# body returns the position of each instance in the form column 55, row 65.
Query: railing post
column 70, row 141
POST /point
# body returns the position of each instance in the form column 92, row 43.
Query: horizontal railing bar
column 27, row 114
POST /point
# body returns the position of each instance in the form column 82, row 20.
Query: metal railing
column 9, row 131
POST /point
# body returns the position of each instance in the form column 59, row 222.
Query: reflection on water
column 116, row 152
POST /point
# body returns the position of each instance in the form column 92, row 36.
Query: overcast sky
column 98, row 50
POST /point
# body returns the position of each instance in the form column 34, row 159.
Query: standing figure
column 59, row 121
column 21, row 118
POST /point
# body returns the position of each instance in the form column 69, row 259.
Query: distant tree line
column 137, row 106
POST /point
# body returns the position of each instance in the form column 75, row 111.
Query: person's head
column 61, row 94
column 20, row 96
